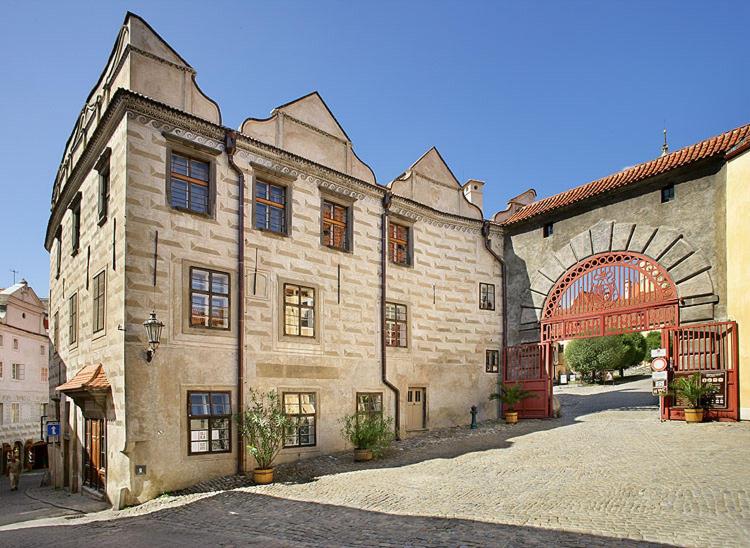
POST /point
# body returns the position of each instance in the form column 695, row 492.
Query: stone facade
column 691, row 247
column 24, row 370
column 147, row 248
column 146, row 108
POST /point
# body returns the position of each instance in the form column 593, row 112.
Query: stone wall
column 448, row 332
column 101, row 249
column 687, row 236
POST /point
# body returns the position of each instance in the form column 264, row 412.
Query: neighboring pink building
column 24, row 373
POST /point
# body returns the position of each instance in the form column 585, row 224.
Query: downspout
column 230, row 145
column 499, row 259
column 383, row 360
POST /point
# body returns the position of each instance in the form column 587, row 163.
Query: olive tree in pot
column 695, row 392
column 511, row 395
column 370, row 434
column 263, row 426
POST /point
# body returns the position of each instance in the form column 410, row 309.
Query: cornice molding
column 189, row 127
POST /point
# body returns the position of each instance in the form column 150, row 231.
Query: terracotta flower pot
column 511, row 417
column 362, row 455
column 693, row 415
column 263, row 476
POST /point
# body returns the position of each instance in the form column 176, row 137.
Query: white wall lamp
column 153, row 332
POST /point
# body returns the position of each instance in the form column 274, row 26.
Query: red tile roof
column 91, row 377
column 715, row 146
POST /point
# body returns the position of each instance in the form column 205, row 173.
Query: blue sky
column 546, row 95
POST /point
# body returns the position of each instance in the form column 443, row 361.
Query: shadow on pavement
column 448, row 443
column 250, row 519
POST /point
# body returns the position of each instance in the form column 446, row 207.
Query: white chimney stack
column 473, row 192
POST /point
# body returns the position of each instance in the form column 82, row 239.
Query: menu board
column 718, row 400
column 718, row 379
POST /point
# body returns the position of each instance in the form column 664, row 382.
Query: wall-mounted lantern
column 153, row 332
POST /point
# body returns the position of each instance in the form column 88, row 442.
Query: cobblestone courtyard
column 606, row 473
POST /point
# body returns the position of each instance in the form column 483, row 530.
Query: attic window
column 667, row 194
column 548, row 230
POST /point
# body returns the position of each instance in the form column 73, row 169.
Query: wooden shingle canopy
column 89, row 379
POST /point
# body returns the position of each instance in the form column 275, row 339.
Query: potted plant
column 511, row 395
column 695, row 392
column 263, row 426
column 370, row 434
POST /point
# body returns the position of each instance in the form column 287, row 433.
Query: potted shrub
column 695, row 393
column 263, row 426
column 511, row 395
column 370, row 434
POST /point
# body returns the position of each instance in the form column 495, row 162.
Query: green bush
column 511, row 395
column 590, row 356
column 263, row 425
column 653, row 341
column 368, row 431
column 635, row 345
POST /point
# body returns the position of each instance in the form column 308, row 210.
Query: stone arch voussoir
column 686, row 265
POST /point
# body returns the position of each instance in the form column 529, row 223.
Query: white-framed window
column 15, row 412
column 18, row 372
column 44, row 374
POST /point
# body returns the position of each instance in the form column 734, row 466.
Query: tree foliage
column 589, row 356
column 635, row 345
column 653, row 341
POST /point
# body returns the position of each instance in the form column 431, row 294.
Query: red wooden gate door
column 527, row 364
column 712, row 351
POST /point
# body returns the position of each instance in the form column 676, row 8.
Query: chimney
column 473, row 192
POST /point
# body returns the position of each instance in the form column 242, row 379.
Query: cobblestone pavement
column 607, row 473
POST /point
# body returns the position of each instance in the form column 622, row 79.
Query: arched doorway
column 608, row 294
column 621, row 292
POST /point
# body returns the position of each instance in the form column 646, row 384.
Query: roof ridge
column 706, row 148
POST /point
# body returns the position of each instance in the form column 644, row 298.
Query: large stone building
column 277, row 261
column 24, row 371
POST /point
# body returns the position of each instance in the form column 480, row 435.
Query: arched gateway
column 621, row 292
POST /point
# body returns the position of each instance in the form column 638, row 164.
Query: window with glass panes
column 486, row 296
column 395, row 325
column 300, row 407
column 492, row 361
column 15, row 412
column 44, row 374
column 398, row 243
column 73, row 319
column 98, row 301
column 210, row 422
column 18, row 372
column 188, row 183
column 75, row 226
column 270, row 207
column 209, row 299
column 369, row 404
column 299, row 311
column 335, row 229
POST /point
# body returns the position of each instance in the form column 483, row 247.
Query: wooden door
column 415, row 408
column 95, row 459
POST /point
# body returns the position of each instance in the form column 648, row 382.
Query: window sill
column 338, row 249
column 206, row 216
column 299, row 340
column 401, row 265
column 270, row 232
column 101, row 221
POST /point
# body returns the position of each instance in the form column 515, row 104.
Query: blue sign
column 53, row 429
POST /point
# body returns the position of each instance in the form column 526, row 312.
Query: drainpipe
column 383, row 360
column 499, row 259
column 230, row 145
